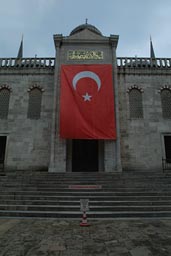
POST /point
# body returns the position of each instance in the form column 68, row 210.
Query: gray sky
column 133, row 20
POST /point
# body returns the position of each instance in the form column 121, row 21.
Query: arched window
column 166, row 103
column 4, row 102
column 34, row 105
column 135, row 103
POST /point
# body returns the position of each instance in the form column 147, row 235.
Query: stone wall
column 142, row 139
column 28, row 141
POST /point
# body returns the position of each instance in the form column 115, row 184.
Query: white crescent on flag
column 84, row 74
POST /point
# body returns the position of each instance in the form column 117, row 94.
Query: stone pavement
column 54, row 237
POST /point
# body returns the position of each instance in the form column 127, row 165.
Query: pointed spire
column 20, row 51
column 152, row 55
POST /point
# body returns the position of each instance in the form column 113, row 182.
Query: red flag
column 87, row 102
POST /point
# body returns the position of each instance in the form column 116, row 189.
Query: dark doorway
column 85, row 155
column 2, row 150
column 167, row 143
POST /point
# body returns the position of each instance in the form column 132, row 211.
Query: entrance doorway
column 167, row 143
column 2, row 150
column 84, row 155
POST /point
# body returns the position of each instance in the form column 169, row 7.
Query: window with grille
column 34, row 105
column 4, row 102
column 135, row 103
column 166, row 103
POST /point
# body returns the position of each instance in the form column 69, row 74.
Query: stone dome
column 85, row 26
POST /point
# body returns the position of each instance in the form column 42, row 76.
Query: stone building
column 29, row 109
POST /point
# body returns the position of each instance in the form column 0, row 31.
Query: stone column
column 114, row 41
column 58, row 147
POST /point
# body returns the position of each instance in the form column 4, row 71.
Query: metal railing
column 27, row 63
column 166, row 164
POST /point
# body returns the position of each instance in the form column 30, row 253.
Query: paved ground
column 53, row 237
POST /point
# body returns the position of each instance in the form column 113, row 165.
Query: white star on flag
column 87, row 97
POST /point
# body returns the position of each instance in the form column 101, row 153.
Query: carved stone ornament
column 134, row 87
column 36, row 86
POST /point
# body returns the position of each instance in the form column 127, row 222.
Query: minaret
column 152, row 55
column 20, row 51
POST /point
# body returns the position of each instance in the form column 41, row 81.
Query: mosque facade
column 41, row 129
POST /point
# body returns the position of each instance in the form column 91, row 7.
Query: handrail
column 27, row 62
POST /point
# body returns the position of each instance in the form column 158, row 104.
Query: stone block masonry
column 28, row 141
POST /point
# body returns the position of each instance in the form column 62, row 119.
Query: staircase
column 57, row 195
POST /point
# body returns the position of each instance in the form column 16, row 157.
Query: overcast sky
column 133, row 20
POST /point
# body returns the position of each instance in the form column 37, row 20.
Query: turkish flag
column 87, row 102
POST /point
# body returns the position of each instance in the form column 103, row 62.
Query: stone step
column 84, row 177
column 85, row 181
column 66, row 187
column 69, row 177
column 69, row 208
column 88, row 177
column 94, row 203
column 46, row 173
column 138, row 179
column 78, row 215
column 68, row 190
column 86, row 193
column 110, row 195
column 77, row 183
column 107, row 179
column 90, row 197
